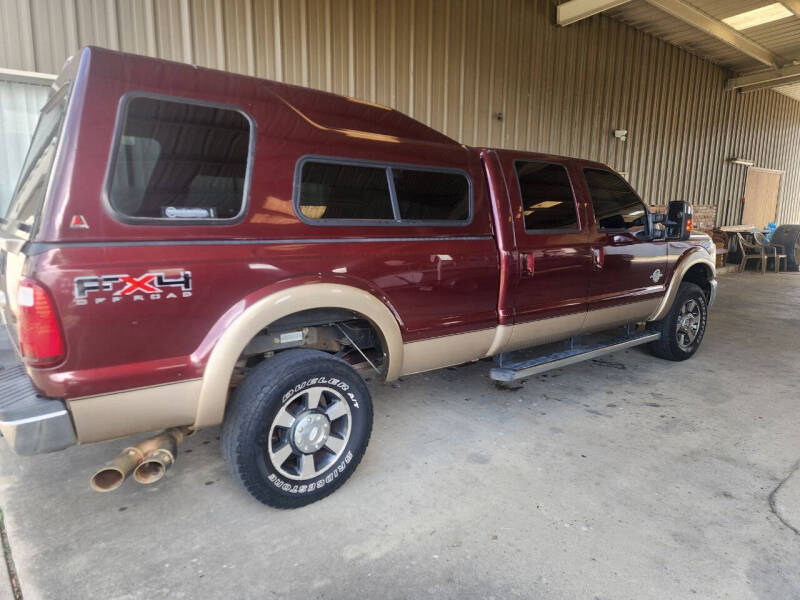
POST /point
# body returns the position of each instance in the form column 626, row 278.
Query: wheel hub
column 310, row 432
column 688, row 323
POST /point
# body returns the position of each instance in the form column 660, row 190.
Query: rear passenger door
column 554, row 254
column 628, row 277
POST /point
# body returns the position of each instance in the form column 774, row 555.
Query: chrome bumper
column 29, row 423
column 713, row 294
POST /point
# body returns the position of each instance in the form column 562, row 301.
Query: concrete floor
column 624, row 477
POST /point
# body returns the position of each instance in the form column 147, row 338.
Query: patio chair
column 751, row 251
column 774, row 251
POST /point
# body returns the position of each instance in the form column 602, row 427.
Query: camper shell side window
column 340, row 191
column 179, row 161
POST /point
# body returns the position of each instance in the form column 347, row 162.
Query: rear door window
column 616, row 205
column 180, row 160
column 548, row 203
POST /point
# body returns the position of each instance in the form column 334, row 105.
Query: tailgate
column 12, row 261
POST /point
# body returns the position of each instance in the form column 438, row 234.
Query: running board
column 540, row 364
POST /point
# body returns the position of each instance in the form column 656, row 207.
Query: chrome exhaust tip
column 148, row 460
column 160, row 456
column 115, row 472
column 154, row 466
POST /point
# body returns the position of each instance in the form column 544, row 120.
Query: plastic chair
column 778, row 251
column 751, row 251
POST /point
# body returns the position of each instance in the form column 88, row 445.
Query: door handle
column 526, row 264
column 597, row 257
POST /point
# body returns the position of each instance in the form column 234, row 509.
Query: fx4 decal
column 97, row 289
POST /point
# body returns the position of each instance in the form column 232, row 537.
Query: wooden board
column 761, row 197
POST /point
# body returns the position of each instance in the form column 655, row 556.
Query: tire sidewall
column 271, row 398
column 692, row 292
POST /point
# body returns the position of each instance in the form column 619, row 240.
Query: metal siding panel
column 455, row 64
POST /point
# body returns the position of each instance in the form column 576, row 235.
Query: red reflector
column 40, row 340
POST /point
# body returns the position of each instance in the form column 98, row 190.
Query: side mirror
column 679, row 220
column 653, row 233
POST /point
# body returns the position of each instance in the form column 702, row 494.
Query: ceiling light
column 759, row 16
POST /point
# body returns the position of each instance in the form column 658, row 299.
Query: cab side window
column 547, row 200
column 616, row 205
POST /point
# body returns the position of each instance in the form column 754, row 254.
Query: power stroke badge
column 97, row 289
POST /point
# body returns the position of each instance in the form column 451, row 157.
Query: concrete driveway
column 624, row 477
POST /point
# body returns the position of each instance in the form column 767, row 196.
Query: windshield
column 28, row 198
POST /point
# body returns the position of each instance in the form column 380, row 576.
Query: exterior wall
column 485, row 72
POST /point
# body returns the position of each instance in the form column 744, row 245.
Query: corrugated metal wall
column 486, row 72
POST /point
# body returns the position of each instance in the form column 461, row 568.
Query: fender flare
column 229, row 346
column 687, row 261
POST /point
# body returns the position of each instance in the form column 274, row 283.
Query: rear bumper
column 29, row 423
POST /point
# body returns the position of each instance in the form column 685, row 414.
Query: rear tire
column 297, row 427
column 683, row 328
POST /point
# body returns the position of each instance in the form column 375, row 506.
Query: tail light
column 40, row 341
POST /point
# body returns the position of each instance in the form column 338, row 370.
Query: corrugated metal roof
column 780, row 37
column 793, row 91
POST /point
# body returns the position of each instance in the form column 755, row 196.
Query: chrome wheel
column 688, row 323
column 309, row 433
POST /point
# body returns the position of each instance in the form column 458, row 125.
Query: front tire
column 297, row 427
column 683, row 328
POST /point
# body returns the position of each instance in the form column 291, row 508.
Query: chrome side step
column 540, row 364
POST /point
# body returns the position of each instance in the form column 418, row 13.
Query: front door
column 553, row 250
column 629, row 272
column 761, row 197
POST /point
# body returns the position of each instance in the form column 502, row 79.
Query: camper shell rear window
column 28, row 199
column 179, row 161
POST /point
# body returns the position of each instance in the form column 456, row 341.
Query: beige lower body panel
column 543, row 331
column 614, row 316
column 428, row 355
column 110, row 416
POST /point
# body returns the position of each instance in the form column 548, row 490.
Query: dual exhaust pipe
column 148, row 461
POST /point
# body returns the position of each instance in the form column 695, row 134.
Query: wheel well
column 340, row 332
column 700, row 274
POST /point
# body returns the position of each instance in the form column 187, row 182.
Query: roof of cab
column 322, row 109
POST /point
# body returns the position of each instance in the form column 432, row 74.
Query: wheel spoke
column 334, row 444
column 336, row 410
column 307, row 467
column 281, row 454
column 313, row 396
column 284, row 418
column 691, row 305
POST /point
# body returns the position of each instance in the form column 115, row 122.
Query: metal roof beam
column 577, row 10
column 715, row 28
column 26, row 76
column 792, row 5
column 763, row 86
column 764, row 79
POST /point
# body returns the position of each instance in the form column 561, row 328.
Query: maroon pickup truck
column 188, row 248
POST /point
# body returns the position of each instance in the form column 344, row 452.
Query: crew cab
column 189, row 248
